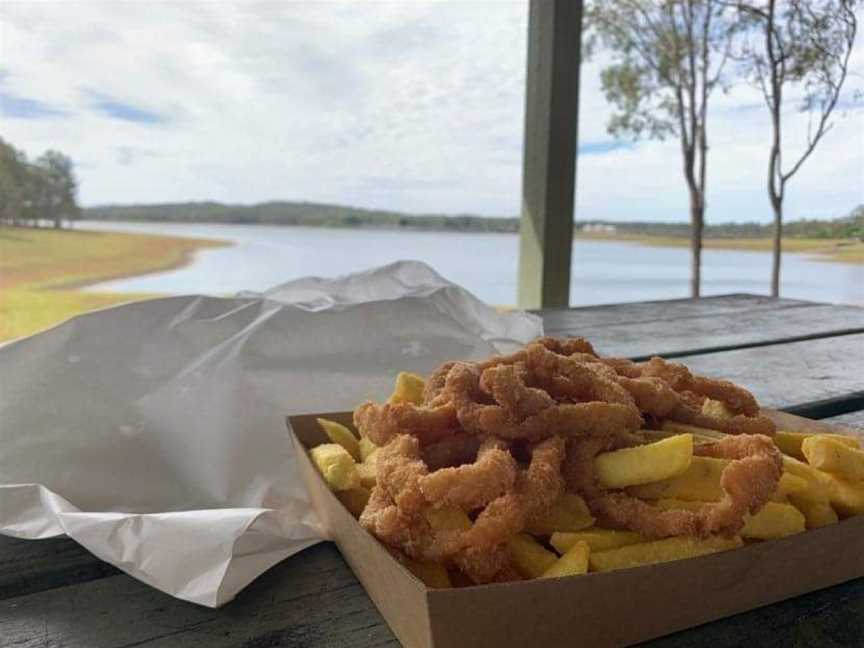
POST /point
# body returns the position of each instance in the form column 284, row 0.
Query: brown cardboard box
column 597, row 609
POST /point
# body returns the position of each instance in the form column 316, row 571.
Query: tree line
column 322, row 215
column 37, row 192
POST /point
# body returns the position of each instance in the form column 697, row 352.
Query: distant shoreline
column 822, row 249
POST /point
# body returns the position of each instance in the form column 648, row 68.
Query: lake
column 486, row 264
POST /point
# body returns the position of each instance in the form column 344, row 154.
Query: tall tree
column 668, row 57
column 802, row 45
column 13, row 172
column 56, row 187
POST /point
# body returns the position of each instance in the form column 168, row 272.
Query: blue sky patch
column 25, row 108
column 601, row 147
column 124, row 111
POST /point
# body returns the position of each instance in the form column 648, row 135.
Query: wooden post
column 549, row 152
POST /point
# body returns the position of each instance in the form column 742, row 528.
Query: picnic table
column 801, row 357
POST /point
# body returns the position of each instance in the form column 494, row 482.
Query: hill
column 323, row 215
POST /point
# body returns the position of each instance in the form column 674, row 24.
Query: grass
column 842, row 250
column 43, row 272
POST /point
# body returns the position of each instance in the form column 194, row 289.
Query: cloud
column 408, row 106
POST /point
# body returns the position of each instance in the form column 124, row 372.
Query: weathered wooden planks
column 684, row 336
column 312, row 599
column 852, row 419
column 54, row 593
column 561, row 320
column 28, row 566
column 808, row 378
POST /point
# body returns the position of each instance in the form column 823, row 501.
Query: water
column 486, row 264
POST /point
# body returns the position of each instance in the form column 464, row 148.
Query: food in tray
column 555, row 461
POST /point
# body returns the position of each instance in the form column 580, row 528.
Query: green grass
column 843, row 250
column 43, row 272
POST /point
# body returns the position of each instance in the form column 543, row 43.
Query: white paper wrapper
column 153, row 433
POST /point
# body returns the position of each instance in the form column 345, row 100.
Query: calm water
column 603, row 272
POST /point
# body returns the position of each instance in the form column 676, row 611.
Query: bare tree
column 668, row 58
column 804, row 44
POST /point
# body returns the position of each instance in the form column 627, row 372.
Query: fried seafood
column 500, row 441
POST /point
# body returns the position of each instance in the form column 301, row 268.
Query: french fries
column 834, row 456
column 646, row 463
column 336, row 466
column 790, row 442
column 658, row 551
column 572, row 563
column 354, row 499
column 846, row 496
column 817, row 513
column 448, row 518
column 432, row 574
column 700, row 482
column 340, row 434
column 366, row 448
column 695, row 430
column 569, row 513
column 774, row 520
column 530, row 558
column 596, row 539
column 822, row 482
column 408, row 389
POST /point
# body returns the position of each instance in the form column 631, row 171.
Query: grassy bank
column 43, row 272
column 843, row 250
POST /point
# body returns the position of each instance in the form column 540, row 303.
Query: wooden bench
column 797, row 356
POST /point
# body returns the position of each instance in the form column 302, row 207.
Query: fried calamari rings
column 474, row 485
column 519, row 411
column 536, row 488
column 665, row 389
column 382, row 422
column 747, row 482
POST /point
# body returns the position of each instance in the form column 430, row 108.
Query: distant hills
column 324, row 215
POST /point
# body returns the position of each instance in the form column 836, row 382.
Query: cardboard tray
column 596, row 609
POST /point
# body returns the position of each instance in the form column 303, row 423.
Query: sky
column 408, row 106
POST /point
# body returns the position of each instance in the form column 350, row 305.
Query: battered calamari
column 503, row 438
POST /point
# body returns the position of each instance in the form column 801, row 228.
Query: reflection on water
column 486, row 264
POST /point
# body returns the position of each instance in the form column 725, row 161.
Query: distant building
column 598, row 228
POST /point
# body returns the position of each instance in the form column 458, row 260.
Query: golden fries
column 659, row 551
column 700, row 482
column 834, row 456
column 572, row 563
column 448, row 518
column 790, row 442
column 569, row 513
column 431, row 573
column 596, row 539
column 695, row 430
column 366, row 448
column 408, row 389
column 530, row 558
column 354, row 499
column 340, row 434
column 817, row 513
column 821, row 483
column 646, row 463
column 774, row 520
column 336, row 465
column 847, row 497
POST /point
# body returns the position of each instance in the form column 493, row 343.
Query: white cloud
column 413, row 106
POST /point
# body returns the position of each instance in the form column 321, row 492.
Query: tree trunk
column 696, row 225
column 777, row 205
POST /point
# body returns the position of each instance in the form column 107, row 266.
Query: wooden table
column 801, row 357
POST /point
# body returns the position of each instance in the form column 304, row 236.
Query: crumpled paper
column 153, row 433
